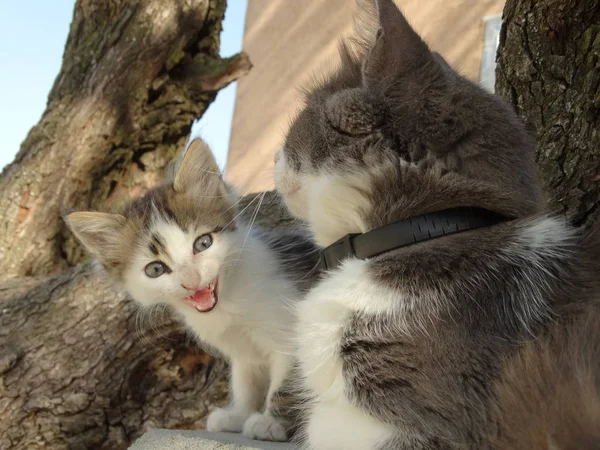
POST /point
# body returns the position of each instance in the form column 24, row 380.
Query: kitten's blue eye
column 156, row 269
column 202, row 243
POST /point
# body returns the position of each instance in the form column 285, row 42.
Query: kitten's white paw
column 264, row 428
column 226, row 420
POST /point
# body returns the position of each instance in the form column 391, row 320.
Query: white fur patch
column 337, row 204
column 226, row 420
column 352, row 287
column 545, row 236
column 333, row 422
column 334, row 426
column 539, row 242
column 264, row 427
column 322, row 323
column 333, row 204
column 324, row 315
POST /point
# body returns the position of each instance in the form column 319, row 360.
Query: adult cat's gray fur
column 488, row 339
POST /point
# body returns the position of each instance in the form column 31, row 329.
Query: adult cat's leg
column 248, row 385
column 336, row 425
column 264, row 426
column 333, row 422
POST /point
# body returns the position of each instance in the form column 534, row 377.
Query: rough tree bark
column 76, row 375
column 135, row 74
column 77, row 370
column 549, row 68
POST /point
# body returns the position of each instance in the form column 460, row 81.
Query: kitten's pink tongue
column 203, row 300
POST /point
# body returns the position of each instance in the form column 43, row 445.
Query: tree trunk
column 78, row 368
column 548, row 67
column 135, row 74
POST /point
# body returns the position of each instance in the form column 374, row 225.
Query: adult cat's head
column 395, row 132
column 171, row 245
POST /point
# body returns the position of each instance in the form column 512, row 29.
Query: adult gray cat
column 486, row 338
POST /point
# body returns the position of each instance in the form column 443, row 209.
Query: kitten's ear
column 197, row 168
column 99, row 232
column 397, row 49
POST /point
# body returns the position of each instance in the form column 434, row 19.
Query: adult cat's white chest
column 333, row 422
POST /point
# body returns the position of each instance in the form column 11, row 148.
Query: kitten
column 480, row 339
column 185, row 244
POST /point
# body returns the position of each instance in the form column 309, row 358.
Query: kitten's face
column 180, row 263
column 171, row 245
column 396, row 132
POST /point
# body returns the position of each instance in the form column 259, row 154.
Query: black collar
column 407, row 232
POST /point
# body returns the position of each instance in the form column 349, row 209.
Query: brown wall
column 291, row 40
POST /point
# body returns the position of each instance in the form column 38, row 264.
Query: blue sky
column 32, row 40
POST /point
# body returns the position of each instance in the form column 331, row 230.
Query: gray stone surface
column 202, row 440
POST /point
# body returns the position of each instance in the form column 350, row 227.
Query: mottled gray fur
column 445, row 373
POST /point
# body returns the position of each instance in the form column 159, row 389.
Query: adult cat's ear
column 99, row 232
column 197, row 168
column 394, row 51
column 354, row 111
column 397, row 49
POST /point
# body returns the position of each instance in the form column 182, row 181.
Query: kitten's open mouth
column 205, row 299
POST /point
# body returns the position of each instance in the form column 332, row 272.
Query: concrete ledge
column 202, row 440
